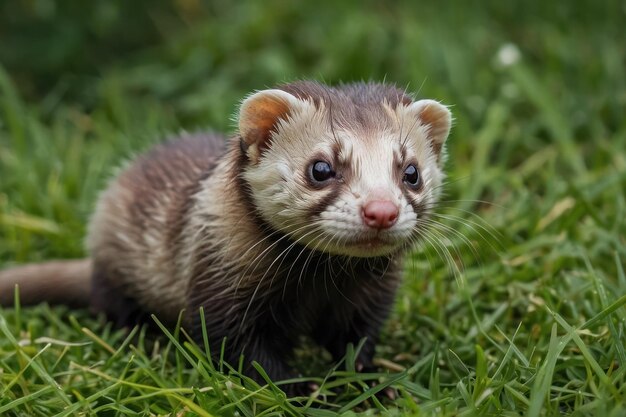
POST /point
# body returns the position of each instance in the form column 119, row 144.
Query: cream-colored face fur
column 369, row 164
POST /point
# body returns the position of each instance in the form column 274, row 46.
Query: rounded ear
column 437, row 118
column 259, row 115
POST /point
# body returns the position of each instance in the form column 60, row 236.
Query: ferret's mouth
column 361, row 245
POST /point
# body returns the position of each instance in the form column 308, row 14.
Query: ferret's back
column 137, row 219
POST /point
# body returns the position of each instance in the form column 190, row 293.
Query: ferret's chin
column 370, row 252
column 370, row 248
column 360, row 248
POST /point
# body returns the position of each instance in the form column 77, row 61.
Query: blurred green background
column 199, row 57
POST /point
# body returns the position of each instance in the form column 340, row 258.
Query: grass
column 517, row 310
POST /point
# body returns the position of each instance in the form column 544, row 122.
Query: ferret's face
column 348, row 187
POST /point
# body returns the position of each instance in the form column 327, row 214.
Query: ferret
column 295, row 226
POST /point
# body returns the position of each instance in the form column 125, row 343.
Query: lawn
column 515, row 306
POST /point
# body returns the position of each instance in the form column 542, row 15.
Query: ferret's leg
column 354, row 322
column 272, row 357
column 360, row 327
column 108, row 298
column 265, row 345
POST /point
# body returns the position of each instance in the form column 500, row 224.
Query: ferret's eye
column 412, row 176
column 321, row 171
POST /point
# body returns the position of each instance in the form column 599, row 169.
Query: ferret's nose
column 379, row 214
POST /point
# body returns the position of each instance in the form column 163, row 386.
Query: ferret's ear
column 259, row 116
column 437, row 118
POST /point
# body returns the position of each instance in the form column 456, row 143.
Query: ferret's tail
column 56, row 282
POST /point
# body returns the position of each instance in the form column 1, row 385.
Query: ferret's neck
column 222, row 223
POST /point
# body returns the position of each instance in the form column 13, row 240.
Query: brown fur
column 241, row 232
column 138, row 222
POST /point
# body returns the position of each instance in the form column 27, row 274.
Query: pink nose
column 380, row 214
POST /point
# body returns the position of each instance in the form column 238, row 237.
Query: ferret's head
column 351, row 170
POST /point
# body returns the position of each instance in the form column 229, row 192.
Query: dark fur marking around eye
column 319, row 207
